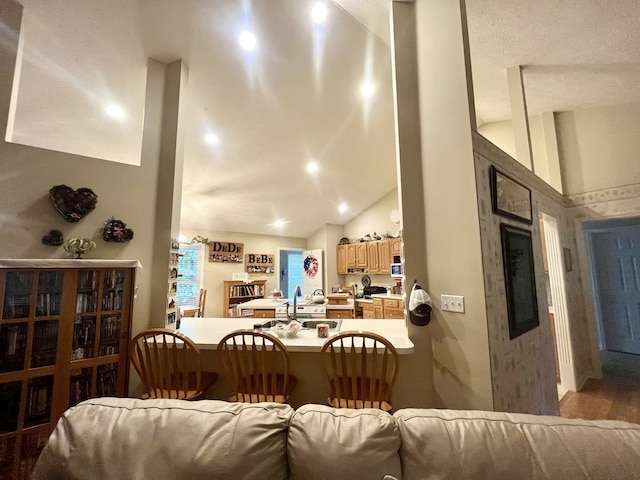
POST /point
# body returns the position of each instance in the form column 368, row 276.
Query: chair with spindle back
column 256, row 366
column 359, row 370
column 170, row 365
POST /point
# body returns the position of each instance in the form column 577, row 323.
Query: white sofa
column 122, row 438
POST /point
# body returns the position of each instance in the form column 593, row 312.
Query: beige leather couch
column 113, row 438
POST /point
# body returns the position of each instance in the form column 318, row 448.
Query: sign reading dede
column 225, row 252
column 259, row 263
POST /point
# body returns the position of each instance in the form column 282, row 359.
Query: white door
column 616, row 261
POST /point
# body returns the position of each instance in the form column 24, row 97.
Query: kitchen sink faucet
column 297, row 293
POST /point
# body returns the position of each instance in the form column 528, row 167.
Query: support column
column 551, row 146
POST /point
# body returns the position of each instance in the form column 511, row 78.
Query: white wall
column 599, row 148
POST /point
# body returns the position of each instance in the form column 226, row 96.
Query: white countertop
column 393, row 296
column 264, row 303
column 207, row 332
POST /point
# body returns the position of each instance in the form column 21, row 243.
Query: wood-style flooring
column 615, row 397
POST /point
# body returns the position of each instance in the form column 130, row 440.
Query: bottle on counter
column 389, row 291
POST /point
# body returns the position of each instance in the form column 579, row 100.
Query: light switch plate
column 452, row 303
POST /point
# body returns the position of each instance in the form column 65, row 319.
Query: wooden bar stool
column 170, row 365
column 256, row 366
column 359, row 370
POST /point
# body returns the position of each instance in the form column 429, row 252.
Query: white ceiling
column 296, row 98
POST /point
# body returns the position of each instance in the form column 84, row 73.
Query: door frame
column 555, row 263
column 278, row 270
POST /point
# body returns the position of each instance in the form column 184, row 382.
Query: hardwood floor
column 615, row 397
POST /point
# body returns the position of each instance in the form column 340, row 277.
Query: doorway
column 554, row 268
column 613, row 249
column 290, row 270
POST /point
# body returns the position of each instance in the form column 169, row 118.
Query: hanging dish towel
column 420, row 306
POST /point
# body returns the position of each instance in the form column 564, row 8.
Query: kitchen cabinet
column 372, row 257
column 395, row 245
column 392, row 308
column 342, row 313
column 384, row 257
column 361, row 255
column 64, row 337
column 341, row 259
column 264, row 313
column 237, row 292
column 351, row 255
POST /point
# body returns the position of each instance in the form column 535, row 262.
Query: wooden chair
column 169, row 365
column 359, row 370
column 256, row 365
column 351, row 290
column 199, row 310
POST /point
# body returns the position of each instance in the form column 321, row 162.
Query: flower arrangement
column 288, row 331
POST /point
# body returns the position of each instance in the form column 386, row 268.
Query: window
column 190, row 275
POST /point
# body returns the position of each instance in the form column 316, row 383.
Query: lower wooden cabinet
column 342, row 313
column 264, row 313
column 383, row 308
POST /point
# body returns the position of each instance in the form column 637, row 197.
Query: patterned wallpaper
column 523, row 369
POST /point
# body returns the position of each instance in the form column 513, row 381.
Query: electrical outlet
column 452, row 303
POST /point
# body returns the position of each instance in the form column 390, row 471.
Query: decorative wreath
column 311, row 265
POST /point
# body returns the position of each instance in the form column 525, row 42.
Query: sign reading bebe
column 225, row 252
column 259, row 263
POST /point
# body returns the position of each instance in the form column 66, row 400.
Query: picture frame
column 509, row 197
column 520, row 280
column 568, row 261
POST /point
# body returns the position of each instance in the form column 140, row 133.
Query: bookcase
column 237, row 292
column 64, row 331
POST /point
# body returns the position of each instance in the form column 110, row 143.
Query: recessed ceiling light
column 367, row 89
column 247, row 40
column 319, row 12
column 212, row 139
column 342, row 207
column 278, row 223
column 312, row 167
column 115, row 111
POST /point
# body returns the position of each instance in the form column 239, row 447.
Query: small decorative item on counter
column 72, row 204
column 323, row 330
column 288, row 331
column 116, row 231
column 53, row 238
column 79, row 246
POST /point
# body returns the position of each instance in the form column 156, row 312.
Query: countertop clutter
column 207, row 332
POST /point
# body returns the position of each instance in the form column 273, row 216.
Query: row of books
column 87, row 280
column 112, row 300
column 39, row 401
column 84, row 334
column 50, row 281
column 45, row 340
column 86, row 302
column 48, row 304
column 113, row 278
column 16, row 306
column 110, row 328
column 13, row 339
column 246, row 290
column 107, row 381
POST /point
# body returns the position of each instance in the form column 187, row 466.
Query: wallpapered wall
column 523, row 369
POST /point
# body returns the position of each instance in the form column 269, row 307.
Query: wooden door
column 616, row 255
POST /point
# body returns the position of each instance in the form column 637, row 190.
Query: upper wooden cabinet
column 341, row 259
column 395, row 246
column 373, row 265
column 368, row 257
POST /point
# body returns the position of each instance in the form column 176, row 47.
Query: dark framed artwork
column 509, row 197
column 520, row 279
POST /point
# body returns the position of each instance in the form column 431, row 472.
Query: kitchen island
column 303, row 351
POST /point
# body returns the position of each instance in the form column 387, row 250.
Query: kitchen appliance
column 396, row 270
column 317, row 296
column 373, row 289
column 306, row 310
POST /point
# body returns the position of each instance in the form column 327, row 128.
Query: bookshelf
column 64, row 331
column 237, row 292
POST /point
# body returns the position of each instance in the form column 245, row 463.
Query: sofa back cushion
column 445, row 444
column 339, row 443
column 107, row 438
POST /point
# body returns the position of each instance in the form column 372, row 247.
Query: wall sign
column 259, row 263
column 225, row 252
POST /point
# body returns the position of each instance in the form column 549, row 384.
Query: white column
column 551, row 146
column 519, row 117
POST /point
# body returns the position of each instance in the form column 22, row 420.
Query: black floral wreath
column 116, row 231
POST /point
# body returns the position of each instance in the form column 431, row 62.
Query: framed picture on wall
column 509, row 197
column 520, row 279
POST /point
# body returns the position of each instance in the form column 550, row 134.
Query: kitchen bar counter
column 207, row 332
